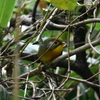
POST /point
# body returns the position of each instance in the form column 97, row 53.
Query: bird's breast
column 52, row 54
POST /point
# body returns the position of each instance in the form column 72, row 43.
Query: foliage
column 4, row 93
column 6, row 9
column 73, row 75
column 64, row 4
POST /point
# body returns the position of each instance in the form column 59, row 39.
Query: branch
column 34, row 10
column 80, row 49
column 62, row 57
column 87, row 21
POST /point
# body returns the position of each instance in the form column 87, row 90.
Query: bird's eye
column 56, row 42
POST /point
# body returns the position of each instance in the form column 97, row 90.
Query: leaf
column 64, row 4
column 6, row 9
column 4, row 93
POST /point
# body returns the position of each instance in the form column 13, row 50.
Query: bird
column 50, row 49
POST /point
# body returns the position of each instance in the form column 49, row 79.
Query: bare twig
column 92, row 45
column 87, row 21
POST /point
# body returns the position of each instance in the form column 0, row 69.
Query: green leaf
column 64, row 4
column 97, row 26
column 6, row 9
column 4, row 94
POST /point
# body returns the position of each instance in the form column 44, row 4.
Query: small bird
column 48, row 52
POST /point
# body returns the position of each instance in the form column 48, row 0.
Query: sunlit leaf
column 64, row 4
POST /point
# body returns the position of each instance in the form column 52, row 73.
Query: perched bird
column 50, row 49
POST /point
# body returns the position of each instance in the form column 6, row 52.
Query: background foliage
column 24, row 24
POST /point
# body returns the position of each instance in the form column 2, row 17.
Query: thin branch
column 87, row 21
column 79, row 80
column 46, row 21
column 92, row 45
column 34, row 10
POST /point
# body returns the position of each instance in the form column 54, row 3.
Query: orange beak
column 63, row 43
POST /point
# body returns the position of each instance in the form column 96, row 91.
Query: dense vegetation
column 72, row 76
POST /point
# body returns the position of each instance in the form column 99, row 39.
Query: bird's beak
column 63, row 43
